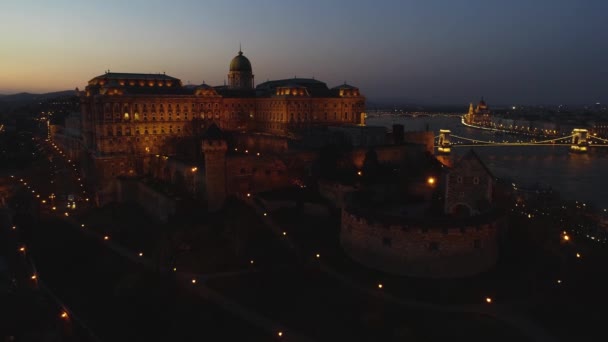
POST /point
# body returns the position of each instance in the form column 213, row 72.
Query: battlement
column 434, row 248
column 214, row 145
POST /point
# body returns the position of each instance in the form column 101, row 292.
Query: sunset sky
column 431, row 51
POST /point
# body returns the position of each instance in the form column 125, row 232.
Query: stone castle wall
column 421, row 137
column 155, row 203
column 442, row 251
column 386, row 153
column 261, row 143
column 253, row 173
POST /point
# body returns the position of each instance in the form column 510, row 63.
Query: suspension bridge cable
column 549, row 140
column 592, row 137
column 513, row 143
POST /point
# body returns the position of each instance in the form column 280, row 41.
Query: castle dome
column 240, row 63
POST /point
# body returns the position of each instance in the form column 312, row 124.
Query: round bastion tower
column 240, row 75
column 214, row 149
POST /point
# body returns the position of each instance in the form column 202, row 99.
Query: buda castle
column 129, row 117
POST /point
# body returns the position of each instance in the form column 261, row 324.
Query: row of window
column 254, row 171
column 463, row 230
column 127, row 130
column 115, row 108
column 138, row 117
column 108, row 107
column 460, row 180
column 431, row 246
column 128, row 140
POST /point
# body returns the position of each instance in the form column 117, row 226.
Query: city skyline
column 433, row 53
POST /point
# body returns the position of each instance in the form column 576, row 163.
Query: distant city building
column 479, row 115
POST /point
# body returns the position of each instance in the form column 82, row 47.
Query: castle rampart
column 434, row 248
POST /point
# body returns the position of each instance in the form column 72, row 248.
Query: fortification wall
column 255, row 174
column 155, row 203
column 422, row 250
column 386, row 154
column 261, row 143
column 335, row 192
column 423, row 137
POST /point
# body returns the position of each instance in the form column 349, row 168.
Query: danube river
column 579, row 177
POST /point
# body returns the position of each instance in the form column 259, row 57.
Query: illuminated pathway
column 193, row 283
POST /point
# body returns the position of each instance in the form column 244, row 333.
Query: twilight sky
column 422, row 51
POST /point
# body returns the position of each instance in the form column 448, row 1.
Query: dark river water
column 579, row 177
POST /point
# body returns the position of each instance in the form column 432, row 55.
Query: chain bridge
column 579, row 141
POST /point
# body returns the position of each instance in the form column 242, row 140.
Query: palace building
column 129, row 117
column 149, row 139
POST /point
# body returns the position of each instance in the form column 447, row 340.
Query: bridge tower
column 579, row 140
column 444, row 144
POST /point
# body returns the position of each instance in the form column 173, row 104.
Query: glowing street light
column 566, row 238
column 193, row 281
column 64, row 315
column 430, row 181
column 318, row 255
column 141, row 254
column 359, row 173
column 380, row 286
column 488, row 300
column 22, row 249
column 280, row 333
column 106, row 238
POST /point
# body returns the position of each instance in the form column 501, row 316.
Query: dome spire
column 240, row 50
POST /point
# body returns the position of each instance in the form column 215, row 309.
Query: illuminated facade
column 127, row 117
column 479, row 115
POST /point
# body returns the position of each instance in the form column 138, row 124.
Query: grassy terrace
column 226, row 241
column 119, row 300
column 319, row 307
column 320, row 235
